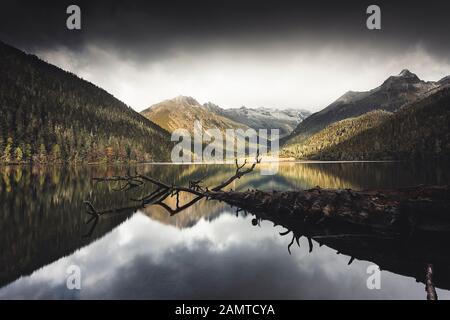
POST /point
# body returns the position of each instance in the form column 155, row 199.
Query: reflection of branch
column 389, row 250
column 163, row 191
column 296, row 238
column 238, row 173
column 97, row 213
column 91, row 230
column 429, row 285
column 130, row 182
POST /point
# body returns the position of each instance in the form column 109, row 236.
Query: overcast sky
column 252, row 53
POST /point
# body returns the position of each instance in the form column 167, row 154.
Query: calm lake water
column 205, row 252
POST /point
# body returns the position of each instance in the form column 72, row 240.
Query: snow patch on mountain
column 263, row 118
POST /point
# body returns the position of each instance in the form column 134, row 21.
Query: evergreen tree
column 28, row 152
column 8, row 150
column 42, row 153
column 56, row 153
column 18, row 154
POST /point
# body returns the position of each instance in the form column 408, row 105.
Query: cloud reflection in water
column 223, row 258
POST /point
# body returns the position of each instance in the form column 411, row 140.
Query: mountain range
column 389, row 96
column 182, row 111
column 286, row 120
column 402, row 118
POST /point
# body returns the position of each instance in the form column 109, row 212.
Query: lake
column 207, row 251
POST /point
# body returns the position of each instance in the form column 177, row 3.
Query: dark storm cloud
column 284, row 54
column 150, row 28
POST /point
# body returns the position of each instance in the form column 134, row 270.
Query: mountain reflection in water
column 202, row 252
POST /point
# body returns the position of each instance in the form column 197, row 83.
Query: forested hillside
column 50, row 115
column 333, row 135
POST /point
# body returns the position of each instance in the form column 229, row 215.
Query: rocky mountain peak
column 213, row 107
column 405, row 73
column 348, row 96
column 405, row 77
column 444, row 80
column 186, row 100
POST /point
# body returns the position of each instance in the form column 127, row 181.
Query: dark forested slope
column 50, row 115
column 333, row 135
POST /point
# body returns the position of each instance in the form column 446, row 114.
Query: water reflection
column 406, row 253
column 204, row 252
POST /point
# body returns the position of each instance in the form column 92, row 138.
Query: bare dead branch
column 163, row 190
column 238, row 174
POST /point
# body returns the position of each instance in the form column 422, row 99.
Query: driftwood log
column 404, row 230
